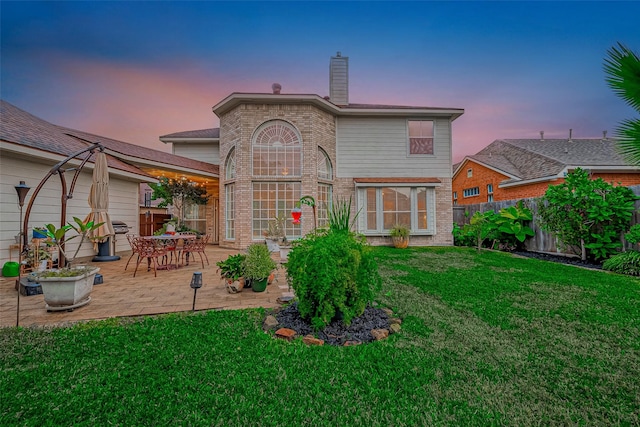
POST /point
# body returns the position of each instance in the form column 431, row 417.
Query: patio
column 123, row 295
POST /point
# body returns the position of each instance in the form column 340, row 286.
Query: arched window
column 325, row 171
column 276, row 150
column 230, row 166
column 230, row 196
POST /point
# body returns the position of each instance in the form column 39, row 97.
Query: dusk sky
column 134, row 71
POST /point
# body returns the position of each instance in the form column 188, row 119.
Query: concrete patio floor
column 121, row 294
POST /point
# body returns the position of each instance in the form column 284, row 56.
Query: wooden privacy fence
column 543, row 241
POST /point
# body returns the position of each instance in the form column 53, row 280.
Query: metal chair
column 130, row 239
column 150, row 250
column 198, row 246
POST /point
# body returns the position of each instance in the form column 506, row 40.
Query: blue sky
column 137, row 70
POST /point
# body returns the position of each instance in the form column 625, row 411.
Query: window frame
column 288, row 205
column 471, row 192
column 289, row 163
column 430, row 207
column 433, row 138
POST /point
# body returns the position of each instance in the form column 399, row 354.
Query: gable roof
column 535, row 159
column 28, row 131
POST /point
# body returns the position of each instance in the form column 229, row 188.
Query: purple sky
column 137, row 70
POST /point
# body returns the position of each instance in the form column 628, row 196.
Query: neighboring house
column 513, row 169
column 30, row 147
column 394, row 162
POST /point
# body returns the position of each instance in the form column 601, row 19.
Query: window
column 147, row 198
column 383, row 207
column 490, row 198
column 323, row 204
column 230, row 211
column 272, row 199
column 230, row 165
column 325, row 171
column 420, row 136
column 489, row 188
column 469, row 192
column 276, row 150
column 455, row 198
column 469, row 173
column 195, row 217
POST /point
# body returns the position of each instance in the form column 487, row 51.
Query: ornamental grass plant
column 487, row 339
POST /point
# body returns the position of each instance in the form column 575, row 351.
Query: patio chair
column 152, row 251
column 198, row 246
column 181, row 243
column 134, row 251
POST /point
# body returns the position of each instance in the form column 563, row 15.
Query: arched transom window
column 325, row 171
column 276, row 150
column 230, row 166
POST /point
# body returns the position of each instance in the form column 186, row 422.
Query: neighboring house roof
column 28, row 131
column 237, row 98
column 525, row 160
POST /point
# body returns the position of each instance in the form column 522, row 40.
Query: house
column 30, row 147
column 393, row 162
column 513, row 169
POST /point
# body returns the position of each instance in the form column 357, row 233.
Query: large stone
column 350, row 343
column 379, row 334
column 388, row 311
column 311, row 340
column 286, row 333
column 394, row 328
column 270, row 323
column 395, row 320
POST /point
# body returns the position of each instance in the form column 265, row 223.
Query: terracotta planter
column 67, row 293
column 400, row 242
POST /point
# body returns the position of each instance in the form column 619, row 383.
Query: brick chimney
column 339, row 79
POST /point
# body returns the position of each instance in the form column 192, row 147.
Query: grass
column 487, row 339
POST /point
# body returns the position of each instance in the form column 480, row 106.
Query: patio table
column 170, row 242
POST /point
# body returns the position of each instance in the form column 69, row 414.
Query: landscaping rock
column 270, row 323
column 311, row 340
column 286, row 333
column 395, row 320
column 394, row 328
column 379, row 334
column 388, row 311
column 336, row 333
column 351, row 343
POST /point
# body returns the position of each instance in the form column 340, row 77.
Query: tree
column 587, row 214
column 178, row 193
column 622, row 67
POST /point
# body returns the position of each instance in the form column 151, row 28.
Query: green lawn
column 487, row 339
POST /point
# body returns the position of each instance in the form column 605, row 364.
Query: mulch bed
column 559, row 259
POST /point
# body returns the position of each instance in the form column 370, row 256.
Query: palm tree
column 622, row 67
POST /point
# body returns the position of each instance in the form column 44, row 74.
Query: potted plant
column 231, row 271
column 68, row 287
column 274, row 233
column 400, row 235
column 258, row 265
column 285, row 248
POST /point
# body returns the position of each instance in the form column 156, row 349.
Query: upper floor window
column 469, row 173
column 420, row 136
column 325, row 171
column 230, row 165
column 468, row 192
column 276, row 150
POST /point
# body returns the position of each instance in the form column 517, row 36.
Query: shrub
column 399, row 230
column 258, row 264
column 332, row 272
column 624, row 263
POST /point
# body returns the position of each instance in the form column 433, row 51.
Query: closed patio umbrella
column 99, row 200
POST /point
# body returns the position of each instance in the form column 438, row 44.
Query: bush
column 624, row 263
column 332, row 272
column 258, row 264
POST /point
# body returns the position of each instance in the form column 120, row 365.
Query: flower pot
column 284, row 253
column 400, row 242
column 67, row 293
column 259, row 285
column 10, row 269
column 272, row 244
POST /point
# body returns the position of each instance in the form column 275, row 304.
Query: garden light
column 196, row 283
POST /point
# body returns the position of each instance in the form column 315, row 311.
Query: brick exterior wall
column 482, row 176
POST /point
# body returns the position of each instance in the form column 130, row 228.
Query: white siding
column 123, row 202
column 377, row 147
column 204, row 152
